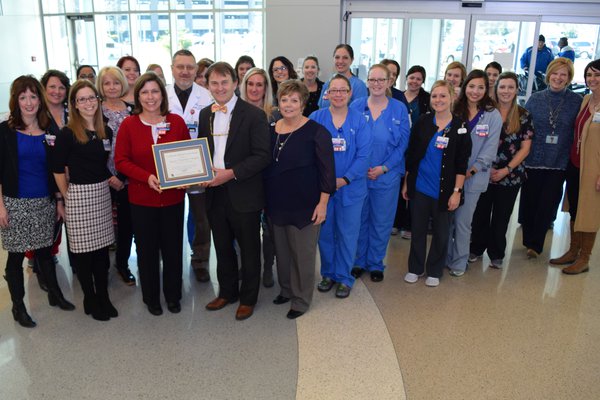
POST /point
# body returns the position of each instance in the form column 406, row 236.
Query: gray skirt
column 89, row 217
column 30, row 224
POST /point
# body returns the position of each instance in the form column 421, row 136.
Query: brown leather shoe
column 244, row 312
column 202, row 274
column 217, row 304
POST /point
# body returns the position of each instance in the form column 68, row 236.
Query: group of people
column 336, row 165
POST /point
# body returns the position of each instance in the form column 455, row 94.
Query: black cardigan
column 455, row 158
column 9, row 163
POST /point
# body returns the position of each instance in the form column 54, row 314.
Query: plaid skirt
column 30, row 224
column 89, row 217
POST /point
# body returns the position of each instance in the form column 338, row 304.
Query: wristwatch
column 510, row 170
column 459, row 190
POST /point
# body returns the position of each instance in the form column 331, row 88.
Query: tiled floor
column 524, row 332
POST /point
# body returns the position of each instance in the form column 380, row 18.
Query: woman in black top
column 280, row 70
column 310, row 72
column 27, row 194
column 436, row 163
column 83, row 146
column 298, row 184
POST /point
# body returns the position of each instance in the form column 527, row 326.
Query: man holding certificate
column 239, row 141
column 186, row 99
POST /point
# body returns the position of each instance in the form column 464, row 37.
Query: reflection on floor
column 524, row 332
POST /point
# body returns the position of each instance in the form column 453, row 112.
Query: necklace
column 554, row 113
column 280, row 144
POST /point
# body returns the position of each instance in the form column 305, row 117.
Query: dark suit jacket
column 9, row 163
column 247, row 152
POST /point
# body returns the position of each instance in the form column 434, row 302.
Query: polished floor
column 524, row 332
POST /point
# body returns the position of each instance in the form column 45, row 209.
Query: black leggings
column 572, row 189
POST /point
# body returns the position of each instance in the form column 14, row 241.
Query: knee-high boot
column 90, row 299
column 582, row 263
column 55, row 295
column 16, row 287
column 100, row 268
column 574, row 248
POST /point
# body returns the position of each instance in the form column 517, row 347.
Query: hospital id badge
column 193, row 128
column 552, row 139
column 106, row 144
column 482, row 130
column 596, row 117
column 50, row 139
column 163, row 127
column 339, row 144
column 441, row 142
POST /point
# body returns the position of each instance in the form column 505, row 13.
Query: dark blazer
column 247, row 152
column 422, row 99
column 454, row 159
column 9, row 162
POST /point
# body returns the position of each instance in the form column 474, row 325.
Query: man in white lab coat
column 186, row 98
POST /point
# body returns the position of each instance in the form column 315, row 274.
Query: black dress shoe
column 127, row 276
column 174, row 307
column 357, row 272
column 155, row 310
column 376, row 276
column 293, row 314
column 280, row 300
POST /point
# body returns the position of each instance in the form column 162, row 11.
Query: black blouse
column 298, row 174
column 86, row 161
column 313, row 99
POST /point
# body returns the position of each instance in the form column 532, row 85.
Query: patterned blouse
column 114, row 119
column 509, row 145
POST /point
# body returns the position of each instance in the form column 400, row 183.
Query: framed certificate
column 183, row 163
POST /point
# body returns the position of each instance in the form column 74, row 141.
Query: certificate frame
column 172, row 176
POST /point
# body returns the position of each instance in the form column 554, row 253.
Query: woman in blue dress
column 390, row 129
column 343, row 56
column 351, row 141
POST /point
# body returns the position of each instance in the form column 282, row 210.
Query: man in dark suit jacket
column 239, row 141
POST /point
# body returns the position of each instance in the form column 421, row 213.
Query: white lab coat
column 199, row 98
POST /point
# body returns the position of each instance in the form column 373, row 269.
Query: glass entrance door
column 83, row 40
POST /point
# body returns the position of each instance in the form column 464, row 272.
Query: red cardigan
column 133, row 158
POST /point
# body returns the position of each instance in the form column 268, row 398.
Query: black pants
column 572, row 189
column 228, row 225
column 402, row 218
column 540, row 198
column 490, row 220
column 14, row 272
column 159, row 232
column 423, row 208
column 124, row 227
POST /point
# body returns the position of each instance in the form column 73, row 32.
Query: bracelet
column 510, row 170
column 346, row 180
column 384, row 169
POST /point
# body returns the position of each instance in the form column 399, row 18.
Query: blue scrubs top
column 430, row 169
column 353, row 162
column 390, row 138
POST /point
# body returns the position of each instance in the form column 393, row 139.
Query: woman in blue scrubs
column 351, row 141
column 390, row 129
column 343, row 56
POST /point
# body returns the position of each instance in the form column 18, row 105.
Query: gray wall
column 297, row 28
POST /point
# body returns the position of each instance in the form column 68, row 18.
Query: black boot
column 90, row 300
column 40, row 277
column 100, row 272
column 20, row 315
column 55, row 296
column 16, row 287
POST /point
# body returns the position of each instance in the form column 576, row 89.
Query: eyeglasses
column 83, row 100
column 185, row 67
column 338, row 91
column 378, row 80
column 88, row 76
column 279, row 69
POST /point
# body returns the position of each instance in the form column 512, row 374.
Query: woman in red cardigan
column 157, row 215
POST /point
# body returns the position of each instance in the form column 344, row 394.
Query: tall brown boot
column 571, row 255
column 582, row 263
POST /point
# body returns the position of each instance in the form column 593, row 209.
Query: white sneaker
column 411, row 278
column 456, row 272
column 406, row 235
column 432, row 282
column 394, row 231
